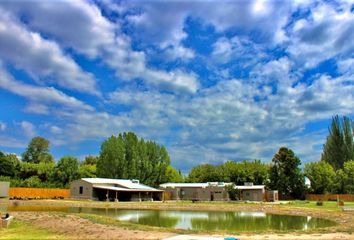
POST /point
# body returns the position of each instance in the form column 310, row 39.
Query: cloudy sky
column 211, row 81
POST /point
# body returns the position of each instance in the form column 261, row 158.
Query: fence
column 330, row 197
column 28, row 193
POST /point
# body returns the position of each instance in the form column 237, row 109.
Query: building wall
column 198, row 194
column 87, row 192
column 252, row 195
column 4, row 189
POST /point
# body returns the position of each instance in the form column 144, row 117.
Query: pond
column 198, row 220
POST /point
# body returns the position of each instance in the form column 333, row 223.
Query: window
column 81, row 189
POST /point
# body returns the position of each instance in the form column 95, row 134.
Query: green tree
column 41, row 170
column 156, row 162
column 9, row 165
column 130, row 141
column 321, row 175
column 246, row 171
column 285, row 174
column 87, row 171
column 127, row 156
column 234, row 193
column 111, row 159
column 90, row 160
column 348, row 177
column 37, row 151
column 66, row 170
column 205, row 173
column 339, row 146
column 172, row 175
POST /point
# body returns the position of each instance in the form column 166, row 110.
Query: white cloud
column 92, row 34
column 237, row 50
column 2, row 126
column 40, row 97
column 176, row 52
column 76, row 24
column 56, row 130
column 28, row 128
column 326, row 33
column 41, row 58
column 163, row 23
column 233, row 118
column 226, row 122
column 11, row 142
column 346, row 66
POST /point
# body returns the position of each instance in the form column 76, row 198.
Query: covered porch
column 118, row 194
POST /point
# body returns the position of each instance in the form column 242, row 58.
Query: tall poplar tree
column 128, row 157
column 339, row 146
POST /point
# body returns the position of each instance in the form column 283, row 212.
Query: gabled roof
column 123, row 184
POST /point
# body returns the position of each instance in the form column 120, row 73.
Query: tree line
column 127, row 156
column 124, row 156
column 334, row 173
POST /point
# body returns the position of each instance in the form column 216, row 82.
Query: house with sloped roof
column 211, row 191
column 105, row 189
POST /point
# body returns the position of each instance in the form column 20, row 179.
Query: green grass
column 327, row 205
column 23, row 231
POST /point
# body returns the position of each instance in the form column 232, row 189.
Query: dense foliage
column 285, row 174
column 66, row 170
column 237, row 172
column 9, row 165
column 37, row 151
column 321, row 175
column 127, row 157
column 339, row 146
column 234, row 193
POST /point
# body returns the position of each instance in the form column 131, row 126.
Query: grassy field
column 327, row 205
column 25, row 231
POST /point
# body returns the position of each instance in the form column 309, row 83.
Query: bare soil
column 74, row 227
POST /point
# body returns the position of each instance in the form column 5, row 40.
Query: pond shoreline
column 342, row 231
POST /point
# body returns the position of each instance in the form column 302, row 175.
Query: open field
column 80, row 226
column 22, row 230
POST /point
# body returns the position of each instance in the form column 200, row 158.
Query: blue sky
column 212, row 81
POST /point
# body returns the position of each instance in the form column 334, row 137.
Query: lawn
column 23, row 231
column 327, row 205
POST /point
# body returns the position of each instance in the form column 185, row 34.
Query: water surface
column 198, row 220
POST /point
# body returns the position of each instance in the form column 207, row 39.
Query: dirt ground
column 74, row 227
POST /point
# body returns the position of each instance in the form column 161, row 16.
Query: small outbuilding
column 210, row 191
column 104, row 189
column 250, row 192
column 4, row 189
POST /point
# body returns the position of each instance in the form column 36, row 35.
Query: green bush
column 319, row 203
column 234, row 194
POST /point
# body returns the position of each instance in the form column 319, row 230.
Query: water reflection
column 199, row 220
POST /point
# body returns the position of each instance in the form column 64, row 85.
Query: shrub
column 319, row 203
column 234, row 194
